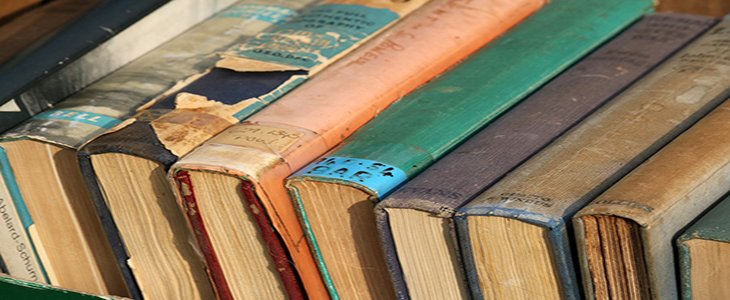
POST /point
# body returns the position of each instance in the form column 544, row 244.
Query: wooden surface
column 716, row 8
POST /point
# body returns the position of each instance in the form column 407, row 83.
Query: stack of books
column 364, row 149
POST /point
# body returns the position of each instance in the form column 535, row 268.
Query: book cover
column 444, row 187
column 14, row 288
column 259, row 154
column 530, row 207
column 703, row 255
column 42, row 149
column 335, row 195
column 649, row 206
column 126, row 167
column 106, row 37
column 10, row 8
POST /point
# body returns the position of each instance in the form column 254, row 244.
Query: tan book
column 514, row 236
column 625, row 236
column 251, row 160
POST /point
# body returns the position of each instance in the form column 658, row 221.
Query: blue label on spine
column 317, row 34
column 376, row 176
column 267, row 13
column 85, row 117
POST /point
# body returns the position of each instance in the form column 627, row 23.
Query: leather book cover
column 661, row 196
column 414, row 132
column 111, row 100
column 21, row 77
column 532, row 124
column 546, row 190
column 713, row 227
column 321, row 113
column 248, row 78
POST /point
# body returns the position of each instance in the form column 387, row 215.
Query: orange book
column 232, row 187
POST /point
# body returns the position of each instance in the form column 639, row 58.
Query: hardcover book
column 625, row 236
column 232, row 188
column 14, row 288
column 60, row 219
column 103, row 39
column 10, row 8
column 335, row 195
column 415, row 222
column 703, row 254
column 514, row 238
column 126, row 167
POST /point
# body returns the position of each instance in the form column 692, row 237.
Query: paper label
column 267, row 138
column 266, row 13
column 90, row 118
column 376, row 176
column 16, row 247
column 316, row 35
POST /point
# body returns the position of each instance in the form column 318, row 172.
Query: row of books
column 379, row 149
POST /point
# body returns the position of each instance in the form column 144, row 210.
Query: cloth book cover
column 703, row 275
column 91, row 112
column 274, row 143
column 247, row 79
column 696, row 165
column 10, row 8
column 64, row 47
column 511, row 139
column 541, row 195
column 417, row 130
column 14, row 288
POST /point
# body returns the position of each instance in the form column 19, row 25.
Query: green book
column 336, row 194
column 704, row 255
column 13, row 288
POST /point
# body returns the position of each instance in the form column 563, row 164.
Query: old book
column 336, row 194
column 22, row 32
column 419, row 213
column 108, row 36
column 625, row 236
column 703, row 254
column 251, row 160
column 60, row 218
column 514, row 238
column 126, row 168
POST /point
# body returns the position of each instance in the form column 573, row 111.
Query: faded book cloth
column 664, row 194
column 248, row 78
column 272, row 144
column 531, row 125
column 551, row 186
column 426, row 124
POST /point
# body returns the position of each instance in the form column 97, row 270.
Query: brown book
column 10, row 8
column 514, row 236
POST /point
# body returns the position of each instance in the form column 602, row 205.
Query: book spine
column 535, row 122
column 551, row 186
column 17, row 248
column 15, row 288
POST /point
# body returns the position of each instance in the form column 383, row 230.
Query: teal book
column 335, row 195
column 704, row 255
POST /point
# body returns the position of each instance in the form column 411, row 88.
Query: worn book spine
column 426, row 124
column 109, row 101
column 249, row 77
column 9, row 9
column 536, row 121
column 551, row 186
column 713, row 226
column 696, row 165
column 306, row 123
column 110, row 35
